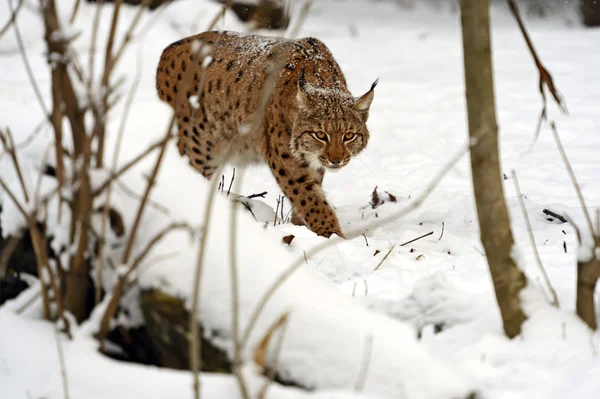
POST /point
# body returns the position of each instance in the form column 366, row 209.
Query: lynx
column 221, row 83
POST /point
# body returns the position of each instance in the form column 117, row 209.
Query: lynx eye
column 349, row 136
column 320, row 136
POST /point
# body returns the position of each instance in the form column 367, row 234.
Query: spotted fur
column 220, row 87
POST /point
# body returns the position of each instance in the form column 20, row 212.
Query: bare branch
column 532, row 240
column 545, row 77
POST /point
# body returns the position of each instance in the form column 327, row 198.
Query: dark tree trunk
column 590, row 9
column 494, row 221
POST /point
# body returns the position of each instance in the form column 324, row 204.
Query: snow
column 336, row 298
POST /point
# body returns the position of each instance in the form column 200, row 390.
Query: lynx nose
column 336, row 160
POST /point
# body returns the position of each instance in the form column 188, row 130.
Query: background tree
column 590, row 9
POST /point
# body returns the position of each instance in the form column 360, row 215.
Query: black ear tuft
column 302, row 80
column 374, row 85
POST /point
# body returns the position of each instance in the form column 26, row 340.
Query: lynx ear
column 301, row 95
column 362, row 104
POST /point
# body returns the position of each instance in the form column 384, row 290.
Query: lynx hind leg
column 200, row 144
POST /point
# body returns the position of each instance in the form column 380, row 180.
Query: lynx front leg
column 296, row 218
column 302, row 186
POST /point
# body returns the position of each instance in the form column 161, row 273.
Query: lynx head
column 330, row 127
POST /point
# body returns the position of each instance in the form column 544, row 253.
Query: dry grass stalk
column 149, row 186
column 281, row 324
column 237, row 350
column 30, row 74
column 62, row 363
column 9, row 146
column 105, row 211
column 364, row 369
column 536, row 253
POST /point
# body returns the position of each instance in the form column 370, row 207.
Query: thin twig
column 157, row 237
column 442, row 233
column 127, row 39
column 93, row 42
column 74, row 12
column 364, row 369
column 573, row 179
column 532, row 240
column 554, row 215
column 30, row 73
column 106, row 209
column 384, row 258
column 195, row 342
column 545, row 76
column 150, row 185
column 231, row 182
column 293, row 32
column 14, row 199
column 130, row 164
column 277, row 354
column 9, row 248
column 418, row 238
column 100, row 127
column 13, row 17
column 29, row 139
column 63, row 365
column 9, row 145
column 261, row 195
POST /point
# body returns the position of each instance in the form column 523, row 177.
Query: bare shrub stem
column 538, row 259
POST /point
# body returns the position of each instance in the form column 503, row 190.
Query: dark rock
column 167, row 327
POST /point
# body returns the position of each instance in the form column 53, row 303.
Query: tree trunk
column 494, row 221
column 587, row 277
column 590, row 9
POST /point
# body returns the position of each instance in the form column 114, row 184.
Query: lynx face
column 330, row 127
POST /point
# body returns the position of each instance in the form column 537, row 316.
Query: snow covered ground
column 417, row 122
